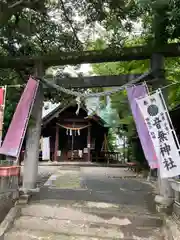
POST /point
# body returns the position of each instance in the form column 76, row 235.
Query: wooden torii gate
column 41, row 63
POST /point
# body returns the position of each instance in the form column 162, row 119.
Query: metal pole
column 165, row 197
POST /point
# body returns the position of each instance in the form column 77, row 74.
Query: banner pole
column 169, row 118
column 3, row 108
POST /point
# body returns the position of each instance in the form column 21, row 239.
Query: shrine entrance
column 74, row 137
column 74, row 144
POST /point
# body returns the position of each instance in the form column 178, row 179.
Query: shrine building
column 76, row 137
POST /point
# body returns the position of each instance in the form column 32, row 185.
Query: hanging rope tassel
column 78, row 101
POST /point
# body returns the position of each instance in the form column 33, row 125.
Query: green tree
column 12, row 97
column 35, row 28
column 119, row 100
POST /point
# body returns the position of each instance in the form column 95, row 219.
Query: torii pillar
column 33, row 138
column 164, row 199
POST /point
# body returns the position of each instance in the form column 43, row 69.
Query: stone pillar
column 31, row 157
column 165, row 197
column 56, row 144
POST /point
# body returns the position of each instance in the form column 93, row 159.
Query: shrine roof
column 61, row 108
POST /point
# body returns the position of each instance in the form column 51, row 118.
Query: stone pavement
column 81, row 164
column 44, row 172
column 89, row 203
column 6, row 202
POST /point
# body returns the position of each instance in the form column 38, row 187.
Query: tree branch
column 16, row 4
column 6, row 11
column 20, row 2
column 69, row 21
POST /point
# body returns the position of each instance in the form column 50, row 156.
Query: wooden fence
column 106, row 156
column 9, row 177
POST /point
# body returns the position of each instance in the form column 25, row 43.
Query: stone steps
column 17, row 234
column 57, row 228
column 101, row 216
column 47, row 222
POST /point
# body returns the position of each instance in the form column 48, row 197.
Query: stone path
column 89, row 203
column 6, row 202
column 44, row 172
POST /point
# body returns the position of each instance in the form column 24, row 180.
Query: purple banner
column 145, row 139
column 15, row 135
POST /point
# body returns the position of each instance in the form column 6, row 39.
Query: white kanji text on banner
column 157, row 119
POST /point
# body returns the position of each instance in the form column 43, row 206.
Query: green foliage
column 43, row 27
column 111, row 141
column 137, row 151
column 12, row 98
column 119, row 100
column 173, row 76
column 160, row 20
